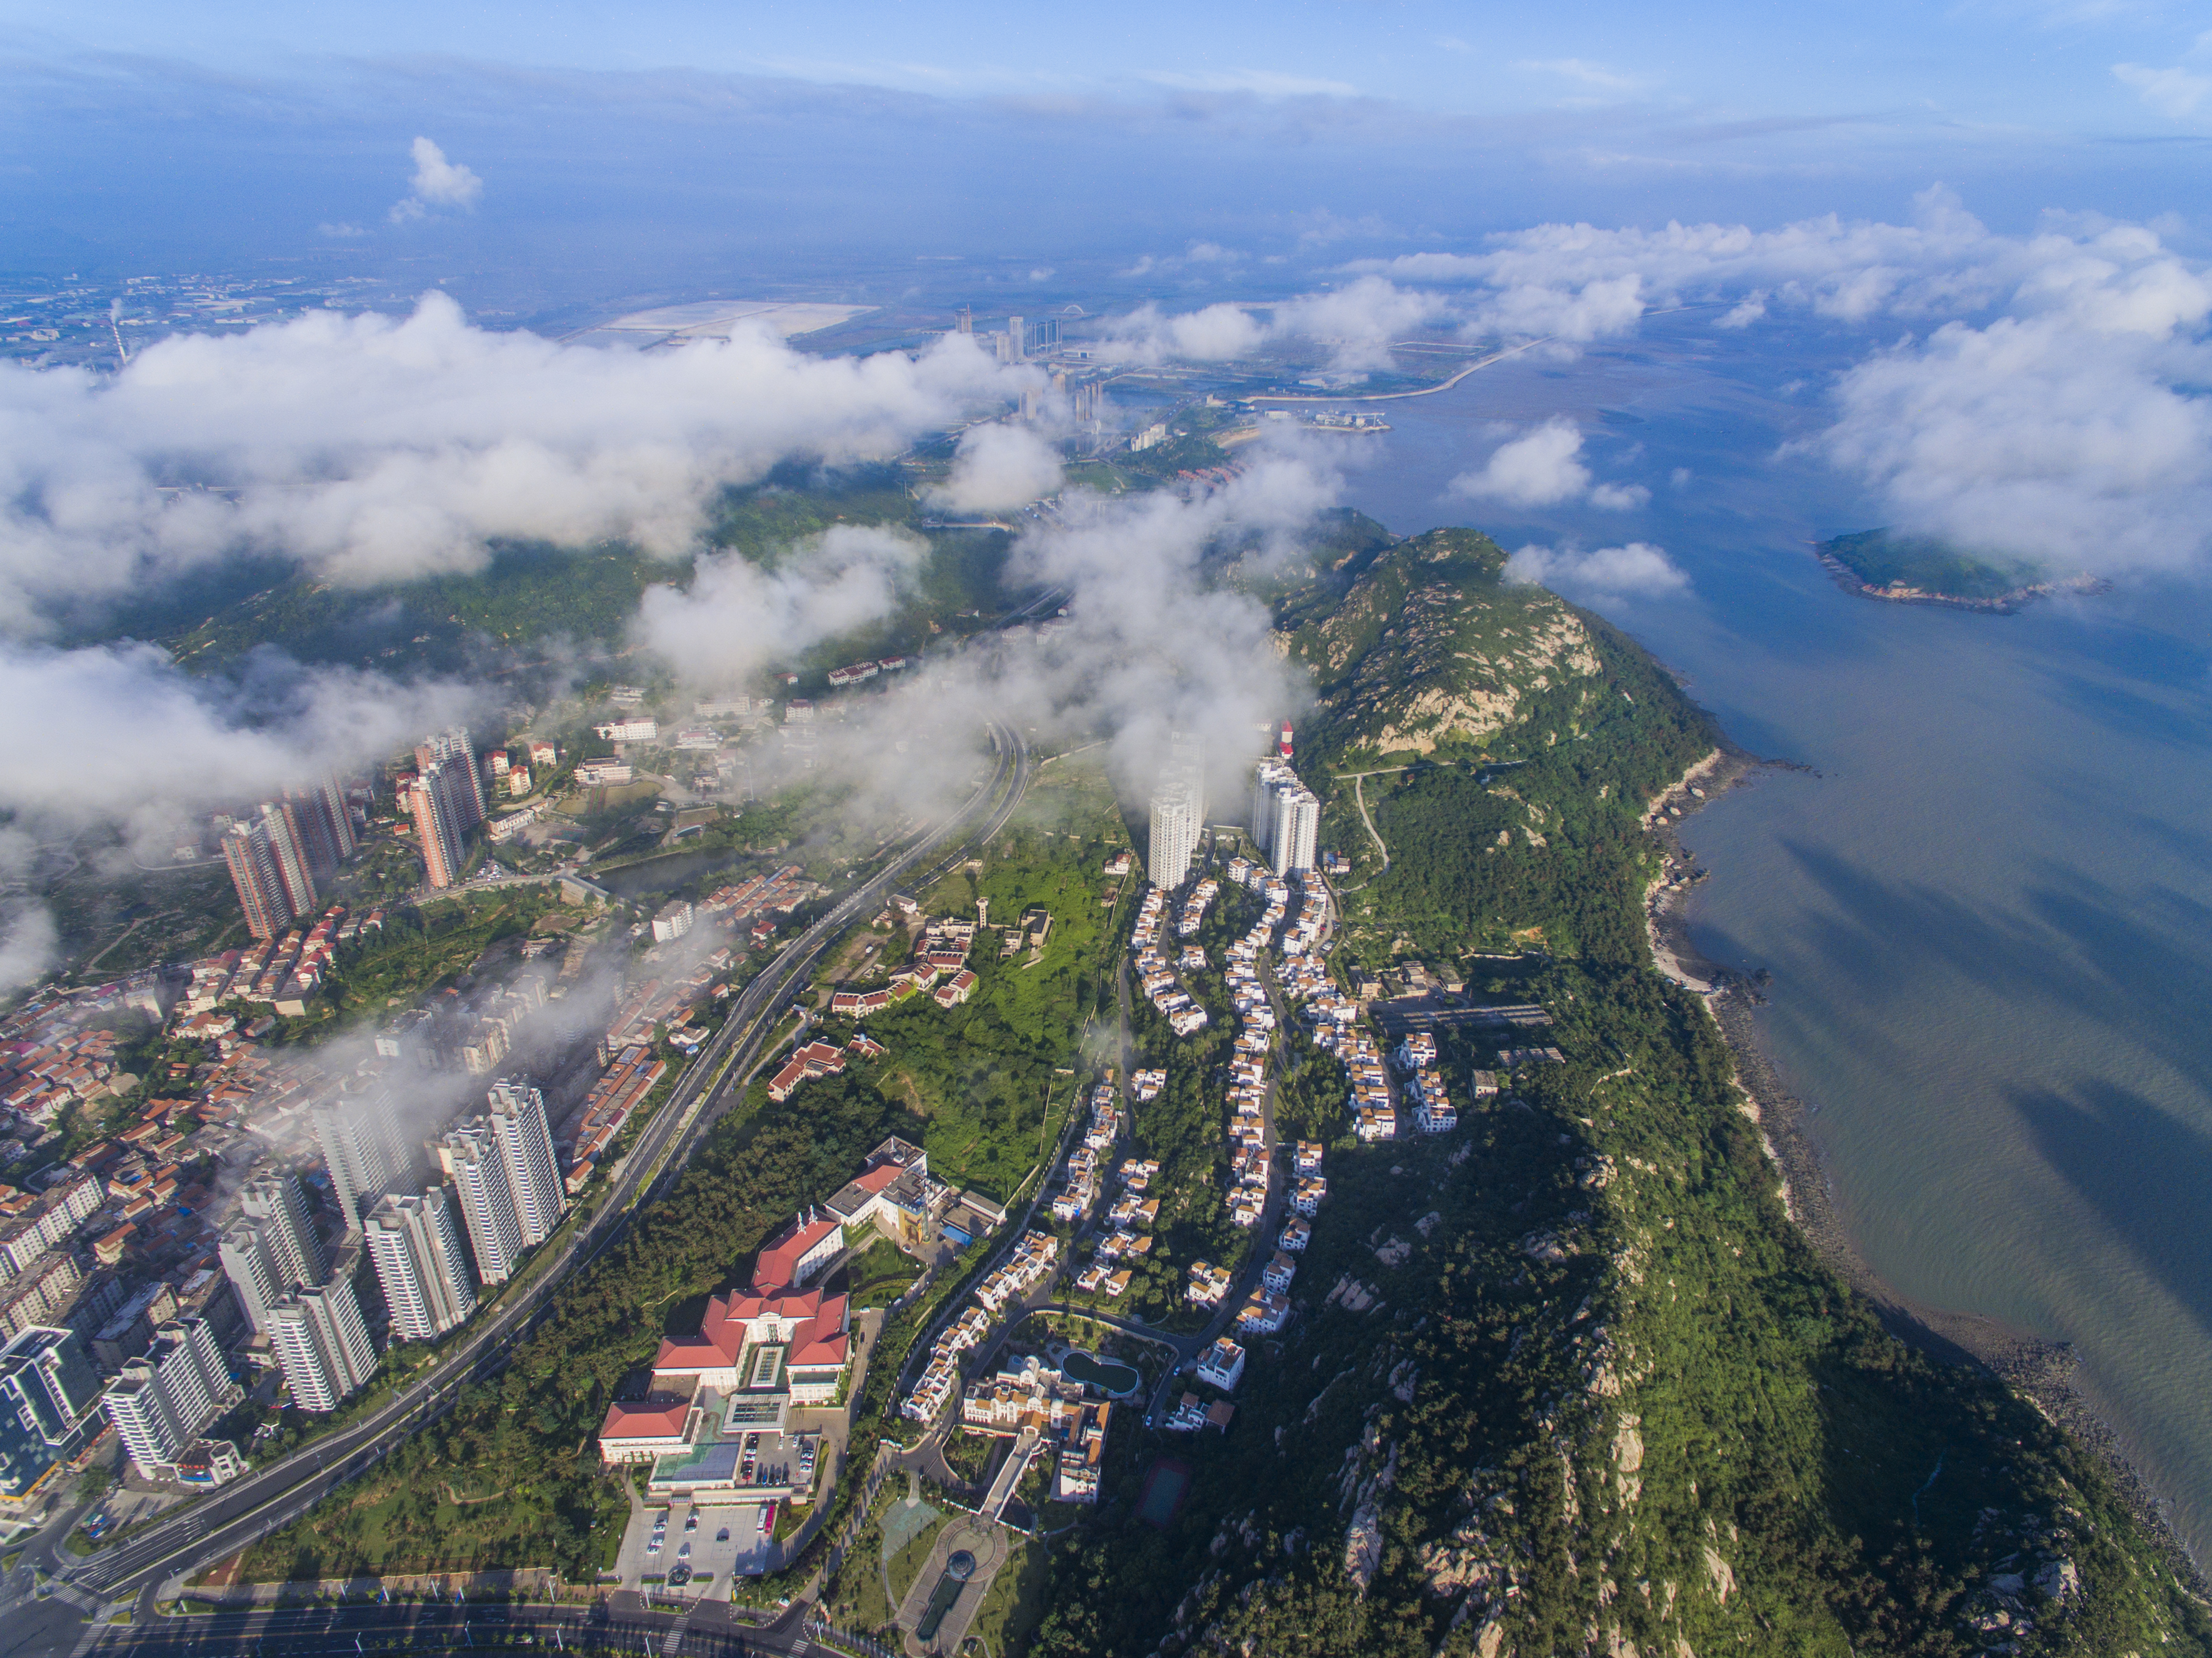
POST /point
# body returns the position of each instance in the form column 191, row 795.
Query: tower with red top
column 1283, row 743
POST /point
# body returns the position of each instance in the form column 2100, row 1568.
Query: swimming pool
column 1108, row 1375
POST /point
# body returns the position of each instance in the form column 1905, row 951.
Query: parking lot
column 709, row 1542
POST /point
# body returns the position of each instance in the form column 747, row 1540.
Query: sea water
column 1988, row 917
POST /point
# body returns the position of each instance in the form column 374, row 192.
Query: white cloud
column 1619, row 497
column 1543, row 468
column 2074, row 431
column 2055, row 411
column 139, row 733
column 1358, row 321
column 1746, row 311
column 1149, row 640
column 2176, row 92
column 1538, row 470
column 1582, row 72
column 1580, row 283
column 1603, row 575
column 2039, row 437
column 342, row 233
column 372, row 449
column 29, row 941
column 1264, row 83
column 999, row 466
column 737, row 616
column 1215, row 334
column 438, row 184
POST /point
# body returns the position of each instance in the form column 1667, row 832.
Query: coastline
column 2004, row 603
column 2043, row 1371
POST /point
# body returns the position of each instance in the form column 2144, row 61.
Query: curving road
column 226, row 1521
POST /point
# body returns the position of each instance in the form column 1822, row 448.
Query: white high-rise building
column 160, row 1402
column 250, row 1267
column 322, row 1344
column 1298, row 829
column 276, row 1201
column 416, row 1248
column 1269, row 779
column 1178, row 812
column 471, row 1159
column 526, row 1146
column 1173, row 836
column 363, row 1152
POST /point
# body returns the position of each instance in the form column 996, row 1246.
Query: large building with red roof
column 796, row 1342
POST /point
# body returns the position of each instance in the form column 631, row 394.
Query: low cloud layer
column 1145, row 638
column 1543, row 468
column 373, row 450
column 139, row 734
column 2049, row 403
column 999, row 466
column 1603, row 575
column 1357, row 322
column 737, row 617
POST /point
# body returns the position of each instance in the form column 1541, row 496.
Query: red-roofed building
column 814, row 1060
column 638, row 1433
column 750, row 1342
column 799, row 1252
column 956, row 989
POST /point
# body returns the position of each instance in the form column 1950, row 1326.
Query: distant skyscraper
column 1178, row 812
column 470, row 1155
column 322, row 1344
column 455, row 756
column 260, row 883
column 438, row 831
column 1017, row 337
column 324, row 822
column 416, row 1248
column 525, row 1147
column 362, row 1150
column 160, row 1403
column 276, row 1201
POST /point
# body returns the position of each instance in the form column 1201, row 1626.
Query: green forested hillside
column 1609, row 1401
column 530, row 599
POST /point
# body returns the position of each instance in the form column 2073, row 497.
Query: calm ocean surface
column 1989, row 920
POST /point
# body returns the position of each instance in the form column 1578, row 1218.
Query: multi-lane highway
column 223, row 1522
column 621, row 1624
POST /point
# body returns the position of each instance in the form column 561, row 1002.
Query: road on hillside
column 226, row 1521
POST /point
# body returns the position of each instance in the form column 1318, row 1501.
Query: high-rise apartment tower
column 416, row 1248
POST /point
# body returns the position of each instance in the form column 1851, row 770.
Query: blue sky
column 2034, row 65
column 626, row 147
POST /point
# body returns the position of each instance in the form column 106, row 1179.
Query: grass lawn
column 880, row 1273
column 1015, row 1602
column 905, row 1565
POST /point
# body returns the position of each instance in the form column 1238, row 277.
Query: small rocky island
column 1920, row 570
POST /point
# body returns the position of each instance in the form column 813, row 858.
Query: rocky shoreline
column 2004, row 603
column 2044, row 1371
